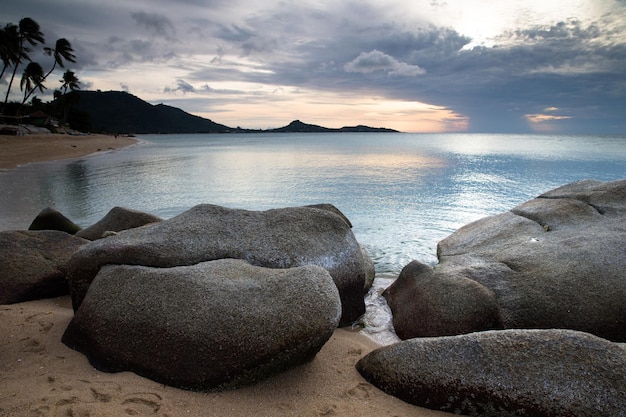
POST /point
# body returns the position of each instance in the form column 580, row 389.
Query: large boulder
column 556, row 261
column 34, row 264
column 51, row 219
column 278, row 238
column 426, row 303
column 116, row 220
column 210, row 326
column 505, row 373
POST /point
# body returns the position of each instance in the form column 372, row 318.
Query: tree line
column 16, row 45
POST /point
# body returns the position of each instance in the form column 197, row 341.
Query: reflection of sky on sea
column 402, row 192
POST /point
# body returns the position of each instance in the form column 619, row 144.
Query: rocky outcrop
column 210, row 326
column 426, row 303
column 51, row 219
column 505, row 373
column 116, row 220
column 34, row 264
column 278, row 238
column 556, row 261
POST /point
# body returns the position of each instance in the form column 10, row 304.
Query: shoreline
column 16, row 151
column 39, row 375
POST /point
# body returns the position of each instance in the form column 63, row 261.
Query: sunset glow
column 424, row 66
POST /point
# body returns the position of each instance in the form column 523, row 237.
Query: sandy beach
column 40, row 376
column 40, row 147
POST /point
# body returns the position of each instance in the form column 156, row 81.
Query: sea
column 403, row 192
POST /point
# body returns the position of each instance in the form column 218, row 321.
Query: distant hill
column 121, row 112
column 298, row 126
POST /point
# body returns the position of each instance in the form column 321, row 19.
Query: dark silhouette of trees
column 17, row 49
column 16, row 42
column 8, row 50
column 65, row 100
column 69, row 81
column 32, row 79
column 62, row 51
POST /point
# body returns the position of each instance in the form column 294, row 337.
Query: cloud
column 493, row 71
column 540, row 118
column 182, row 86
column 375, row 60
column 156, row 23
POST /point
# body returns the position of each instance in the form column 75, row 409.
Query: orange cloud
column 542, row 122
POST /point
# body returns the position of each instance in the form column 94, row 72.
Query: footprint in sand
column 32, row 345
column 327, row 410
column 45, row 326
column 361, row 391
column 85, row 397
column 100, row 396
column 141, row 403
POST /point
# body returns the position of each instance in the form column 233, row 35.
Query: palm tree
column 70, row 80
column 62, row 51
column 8, row 46
column 32, row 79
column 28, row 32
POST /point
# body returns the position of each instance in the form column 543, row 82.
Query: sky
column 543, row 66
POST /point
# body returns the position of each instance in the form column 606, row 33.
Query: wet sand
column 20, row 150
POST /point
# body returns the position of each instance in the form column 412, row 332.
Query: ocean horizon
column 402, row 192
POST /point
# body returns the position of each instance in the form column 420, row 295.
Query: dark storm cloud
column 233, row 33
column 566, row 65
column 156, row 24
column 576, row 66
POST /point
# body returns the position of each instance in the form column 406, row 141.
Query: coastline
column 39, row 375
column 42, row 147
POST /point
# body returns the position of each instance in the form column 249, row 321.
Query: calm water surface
column 402, row 192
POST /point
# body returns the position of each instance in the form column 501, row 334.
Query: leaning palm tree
column 28, row 32
column 9, row 39
column 32, row 79
column 62, row 51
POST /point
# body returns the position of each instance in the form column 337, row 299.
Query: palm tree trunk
column 6, row 98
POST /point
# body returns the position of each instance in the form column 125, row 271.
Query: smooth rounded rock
column 51, row 219
column 277, row 238
column 557, row 261
column 34, row 264
column 116, row 220
column 545, row 373
column 211, row 326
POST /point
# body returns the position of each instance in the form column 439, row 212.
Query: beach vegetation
column 32, row 79
column 16, row 46
column 62, row 98
column 62, row 51
column 69, row 80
